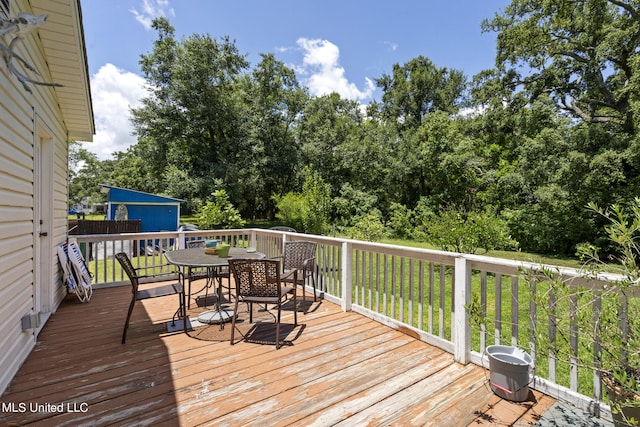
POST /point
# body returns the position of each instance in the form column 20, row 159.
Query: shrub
column 291, row 209
column 453, row 231
column 308, row 211
column 401, row 221
column 219, row 213
column 369, row 227
column 352, row 204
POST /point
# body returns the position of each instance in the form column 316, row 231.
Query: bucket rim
column 515, row 352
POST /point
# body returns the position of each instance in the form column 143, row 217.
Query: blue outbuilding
column 157, row 213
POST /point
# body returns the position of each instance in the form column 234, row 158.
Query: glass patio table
column 197, row 258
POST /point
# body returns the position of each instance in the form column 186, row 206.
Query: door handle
column 43, row 234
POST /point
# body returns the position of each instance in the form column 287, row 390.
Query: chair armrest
column 308, row 263
column 150, row 267
column 290, row 273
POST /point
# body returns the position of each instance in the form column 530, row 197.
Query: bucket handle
column 502, row 388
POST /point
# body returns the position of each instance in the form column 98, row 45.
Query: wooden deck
column 340, row 369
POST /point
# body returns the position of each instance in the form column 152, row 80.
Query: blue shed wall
column 154, row 217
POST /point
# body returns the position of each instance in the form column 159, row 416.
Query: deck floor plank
column 341, row 369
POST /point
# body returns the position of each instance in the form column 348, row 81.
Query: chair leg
column 126, row 323
column 304, row 298
column 278, row 327
column 295, row 311
column 313, row 282
column 233, row 321
column 183, row 305
column 189, row 302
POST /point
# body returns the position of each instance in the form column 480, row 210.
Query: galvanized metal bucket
column 510, row 372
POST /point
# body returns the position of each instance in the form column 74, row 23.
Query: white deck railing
column 421, row 292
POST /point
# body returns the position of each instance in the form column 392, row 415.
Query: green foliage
column 86, row 173
column 577, row 51
column 352, row 205
column 401, row 221
column 453, row 231
column 290, row 209
column 552, row 128
column 308, row 211
column 417, row 88
column 219, row 213
column 368, row 227
column 317, row 196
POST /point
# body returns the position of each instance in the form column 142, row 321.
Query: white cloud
column 114, row 92
column 151, row 9
column 392, row 46
column 321, row 64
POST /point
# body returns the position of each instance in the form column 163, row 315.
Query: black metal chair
column 258, row 281
column 300, row 256
column 152, row 292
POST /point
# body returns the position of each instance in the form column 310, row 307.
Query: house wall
column 33, row 200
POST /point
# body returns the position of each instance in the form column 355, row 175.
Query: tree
column 417, row 88
column 326, row 124
column 275, row 100
column 86, row 173
column 583, row 53
column 194, row 118
column 308, row 211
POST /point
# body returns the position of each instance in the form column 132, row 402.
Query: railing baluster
column 421, row 303
column 385, row 287
column 431, row 295
column 402, row 278
column 515, row 312
column 498, row 310
column 441, row 303
column 370, row 283
column 483, row 307
column 573, row 339
column 393, row 287
column 411, row 297
column 533, row 318
column 347, row 285
column 597, row 381
column 552, row 336
column 377, row 282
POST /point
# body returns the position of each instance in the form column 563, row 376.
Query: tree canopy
column 519, row 150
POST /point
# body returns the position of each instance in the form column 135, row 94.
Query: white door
column 43, row 221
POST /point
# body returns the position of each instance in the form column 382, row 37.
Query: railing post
column 347, row 276
column 253, row 239
column 462, row 297
column 181, row 243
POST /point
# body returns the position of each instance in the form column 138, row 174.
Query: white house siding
column 27, row 285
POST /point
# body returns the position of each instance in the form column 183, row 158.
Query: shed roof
column 123, row 195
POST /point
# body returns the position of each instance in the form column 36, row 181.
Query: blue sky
column 339, row 46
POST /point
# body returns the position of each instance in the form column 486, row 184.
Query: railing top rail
column 573, row 276
column 440, row 256
column 476, row 262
